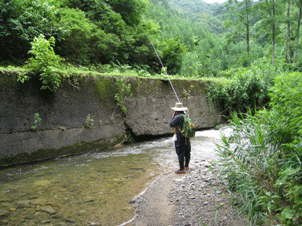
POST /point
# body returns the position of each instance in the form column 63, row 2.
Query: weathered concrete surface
column 63, row 114
column 149, row 109
column 51, row 143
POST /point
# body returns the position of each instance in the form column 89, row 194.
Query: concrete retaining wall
column 64, row 129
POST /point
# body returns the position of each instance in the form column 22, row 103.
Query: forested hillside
column 193, row 38
column 86, row 32
column 250, row 50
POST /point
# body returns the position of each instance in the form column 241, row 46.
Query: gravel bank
column 195, row 198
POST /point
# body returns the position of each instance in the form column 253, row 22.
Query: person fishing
column 182, row 144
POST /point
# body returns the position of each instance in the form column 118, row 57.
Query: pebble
column 39, row 201
column 48, row 209
column 89, row 199
column 134, row 199
column 70, row 221
column 3, row 213
column 23, row 203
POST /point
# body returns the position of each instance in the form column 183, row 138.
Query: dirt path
column 195, row 198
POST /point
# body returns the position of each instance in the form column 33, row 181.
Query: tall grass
column 262, row 160
column 249, row 163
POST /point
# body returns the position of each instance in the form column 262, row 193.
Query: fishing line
column 164, row 70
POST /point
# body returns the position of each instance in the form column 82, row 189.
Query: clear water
column 92, row 189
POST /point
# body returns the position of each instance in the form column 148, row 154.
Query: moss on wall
column 106, row 88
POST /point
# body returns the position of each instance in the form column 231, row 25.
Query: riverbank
column 195, row 198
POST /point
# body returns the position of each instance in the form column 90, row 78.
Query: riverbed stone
column 3, row 213
column 23, row 203
column 39, row 201
column 48, row 209
column 42, row 183
column 12, row 209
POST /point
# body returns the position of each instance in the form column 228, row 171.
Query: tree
column 130, row 10
column 288, row 33
column 273, row 32
column 298, row 32
column 20, row 22
column 241, row 14
column 270, row 22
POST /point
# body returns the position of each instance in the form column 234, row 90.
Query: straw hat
column 179, row 107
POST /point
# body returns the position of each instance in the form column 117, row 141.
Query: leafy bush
column 286, row 130
column 262, row 160
column 45, row 62
column 21, row 21
column 247, row 89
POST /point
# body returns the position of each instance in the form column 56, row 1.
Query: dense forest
column 250, row 50
column 193, row 38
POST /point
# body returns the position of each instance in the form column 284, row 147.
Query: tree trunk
column 273, row 33
column 298, row 32
column 247, row 27
column 288, row 34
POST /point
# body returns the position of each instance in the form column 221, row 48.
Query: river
column 91, row 189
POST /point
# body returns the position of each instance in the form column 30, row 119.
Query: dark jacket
column 176, row 123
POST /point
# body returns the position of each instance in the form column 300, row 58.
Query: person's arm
column 176, row 121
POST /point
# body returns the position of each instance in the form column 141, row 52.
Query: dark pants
column 183, row 152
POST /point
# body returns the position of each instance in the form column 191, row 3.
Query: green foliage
column 172, row 55
column 250, row 166
column 45, row 62
column 286, row 130
column 78, row 31
column 24, row 20
column 286, row 101
column 37, row 122
column 130, row 10
column 123, row 92
column 89, row 121
column 262, row 159
column 248, row 89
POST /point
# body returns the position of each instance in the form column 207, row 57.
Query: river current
column 90, row 189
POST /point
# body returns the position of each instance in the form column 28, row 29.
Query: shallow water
column 92, row 189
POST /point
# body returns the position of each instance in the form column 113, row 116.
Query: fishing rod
column 164, row 70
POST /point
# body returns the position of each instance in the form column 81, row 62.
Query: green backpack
column 188, row 128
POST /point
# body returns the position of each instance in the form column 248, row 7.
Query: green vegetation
column 89, row 121
column 45, row 62
column 262, row 160
column 248, row 88
column 247, row 52
column 38, row 122
column 123, row 91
